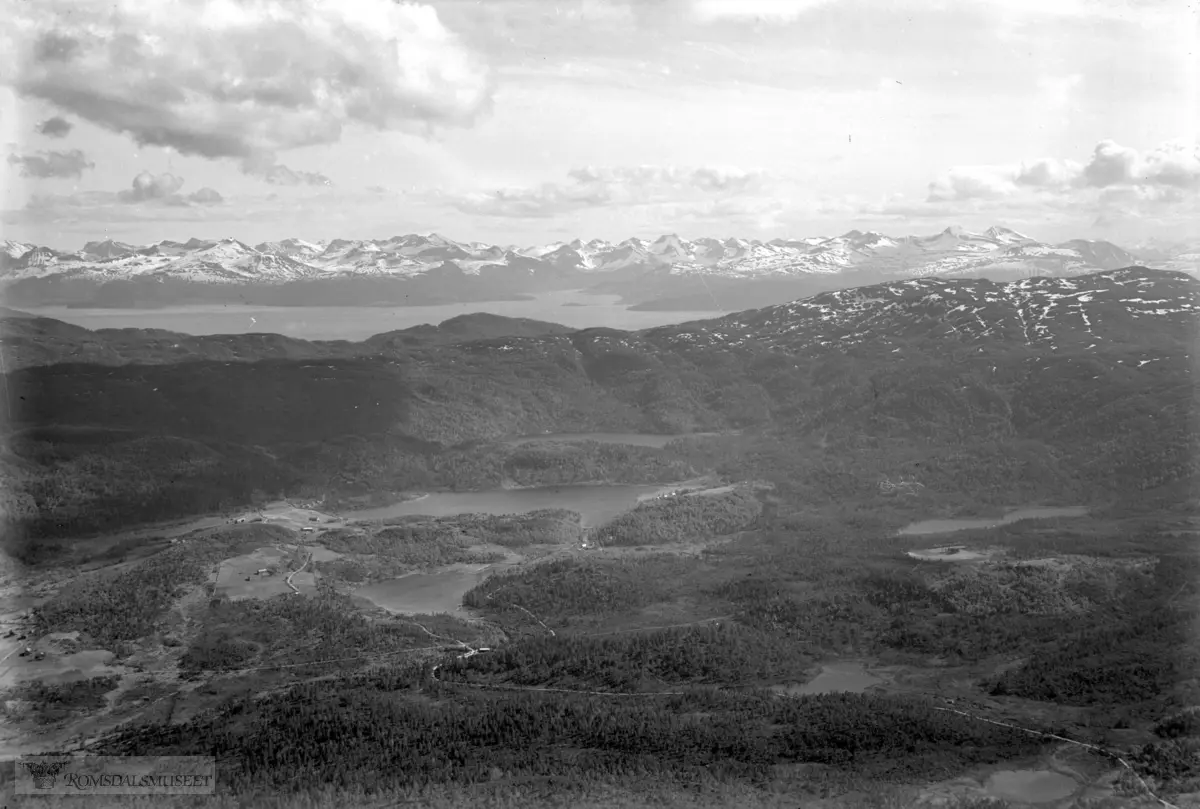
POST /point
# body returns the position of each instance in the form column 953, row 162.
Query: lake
column 834, row 678
column 442, row 590
column 596, row 503
column 1030, row 786
column 947, row 526
column 573, row 309
column 426, row 593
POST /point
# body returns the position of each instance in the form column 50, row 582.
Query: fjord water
column 630, row 439
column 596, row 503
column 925, row 527
column 575, row 310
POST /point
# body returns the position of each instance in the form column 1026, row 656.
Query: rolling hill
column 1016, row 380
column 662, row 655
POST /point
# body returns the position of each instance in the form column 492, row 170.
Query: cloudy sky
column 525, row 121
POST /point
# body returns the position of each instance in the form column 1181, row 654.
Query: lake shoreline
column 409, row 593
column 654, row 440
column 516, row 499
column 955, row 524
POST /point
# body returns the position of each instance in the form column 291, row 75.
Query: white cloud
column 972, row 182
column 1118, row 187
column 785, row 10
column 148, row 197
column 205, row 196
column 243, row 78
column 147, row 186
column 278, row 174
column 1176, row 163
column 1173, row 165
column 622, row 186
column 1048, row 172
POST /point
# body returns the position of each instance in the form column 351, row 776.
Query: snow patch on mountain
column 951, row 252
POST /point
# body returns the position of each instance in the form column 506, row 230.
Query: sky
column 531, row 121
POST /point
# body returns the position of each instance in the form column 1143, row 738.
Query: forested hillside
column 1077, row 389
column 639, row 649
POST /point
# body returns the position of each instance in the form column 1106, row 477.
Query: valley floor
column 278, row 600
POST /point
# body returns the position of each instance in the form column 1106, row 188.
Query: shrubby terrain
column 369, row 738
column 291, row 631
column 681, row 517
column 54, row 702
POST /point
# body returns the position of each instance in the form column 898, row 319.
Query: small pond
column 426, row 593
column 1030, row 786
column 833, row 678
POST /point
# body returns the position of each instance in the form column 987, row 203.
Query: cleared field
column 955, row 553
column 56, row 668
column 291, row 516
column 231, row 578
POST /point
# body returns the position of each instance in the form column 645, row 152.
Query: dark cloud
column 56, row 47
column 71, row 163
column 246, row 80
column 55, row 127
column 147, row 186
column 1111, row 164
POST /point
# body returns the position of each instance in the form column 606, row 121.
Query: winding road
column 288, row 580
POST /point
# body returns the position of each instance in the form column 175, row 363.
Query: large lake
column 596, row 503
column 925, row 527
column 633, row 439
column 573, row 309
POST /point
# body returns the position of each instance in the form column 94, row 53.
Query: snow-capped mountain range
column 952, row 252
column 664, row 273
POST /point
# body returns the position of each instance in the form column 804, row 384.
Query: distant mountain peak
column 635, row 262
column 1003, row 234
